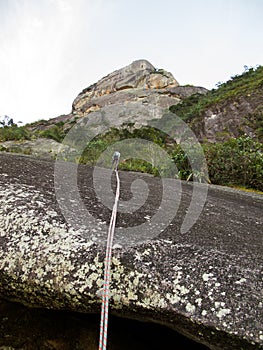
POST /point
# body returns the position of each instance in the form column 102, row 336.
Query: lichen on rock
column 205, row 284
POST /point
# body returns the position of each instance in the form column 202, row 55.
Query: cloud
column 52, row 49
column 40, row 49
column 62, row 5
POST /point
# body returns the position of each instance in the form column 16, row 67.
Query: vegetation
column 239, row 85
column 237, row 162
column 14, row 132
column 11, row 131
column 234, row 162
column 6, row 121
column 55, row 132
column 99, row 144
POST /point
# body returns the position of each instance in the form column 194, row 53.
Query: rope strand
column 106, row 286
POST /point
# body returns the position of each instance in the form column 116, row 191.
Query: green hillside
column 248, row 85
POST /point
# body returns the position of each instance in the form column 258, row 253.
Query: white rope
column 106, row 286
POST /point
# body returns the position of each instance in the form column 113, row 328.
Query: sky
column 50, row 50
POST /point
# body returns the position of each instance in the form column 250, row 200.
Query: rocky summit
column 139, row 95
column 205, row 283
column 138, row 75
column 139, row 85
column 135, row 94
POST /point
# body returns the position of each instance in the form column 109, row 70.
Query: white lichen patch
column 190, row 308
column 204, row 312
column 242, row 280
column 153, row 301
column 182, row 289
column 146, row 252
column 91, row 279
column 132, row 295
column 177, row 278
column 222, row 312
column 138, row 256
column 41, row 249
column 207, row 276
column 173, row 298
column 198, row 301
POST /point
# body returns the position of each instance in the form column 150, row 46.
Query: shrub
column 236, row 162
column 14, row 132
column 92, row 152
column 56, row 133
column 138, row 165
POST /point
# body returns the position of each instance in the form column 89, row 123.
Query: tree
column 6, row 121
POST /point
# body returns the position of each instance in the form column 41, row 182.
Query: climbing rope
column 106, row 287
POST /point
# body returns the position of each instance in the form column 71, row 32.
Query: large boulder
column 139, row 74
column 135, row 94
column 139, row 83
column 206, row 283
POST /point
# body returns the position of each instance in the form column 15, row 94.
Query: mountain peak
column 138, row 74
column 141, row 65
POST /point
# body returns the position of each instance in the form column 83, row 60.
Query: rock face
column 206, row 284
column 139, row 74
column 230, row 118
column 41, row 147
column 139, row 84
column 134, row 94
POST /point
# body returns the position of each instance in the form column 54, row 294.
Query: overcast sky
column 50, row 50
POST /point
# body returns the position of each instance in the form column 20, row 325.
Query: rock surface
column 207, row 284
column 134, row 94
column 139, row 85
column 138, row 82
column 139, row 74
column 142, row 85
column 41, row 147
column 230, row 118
